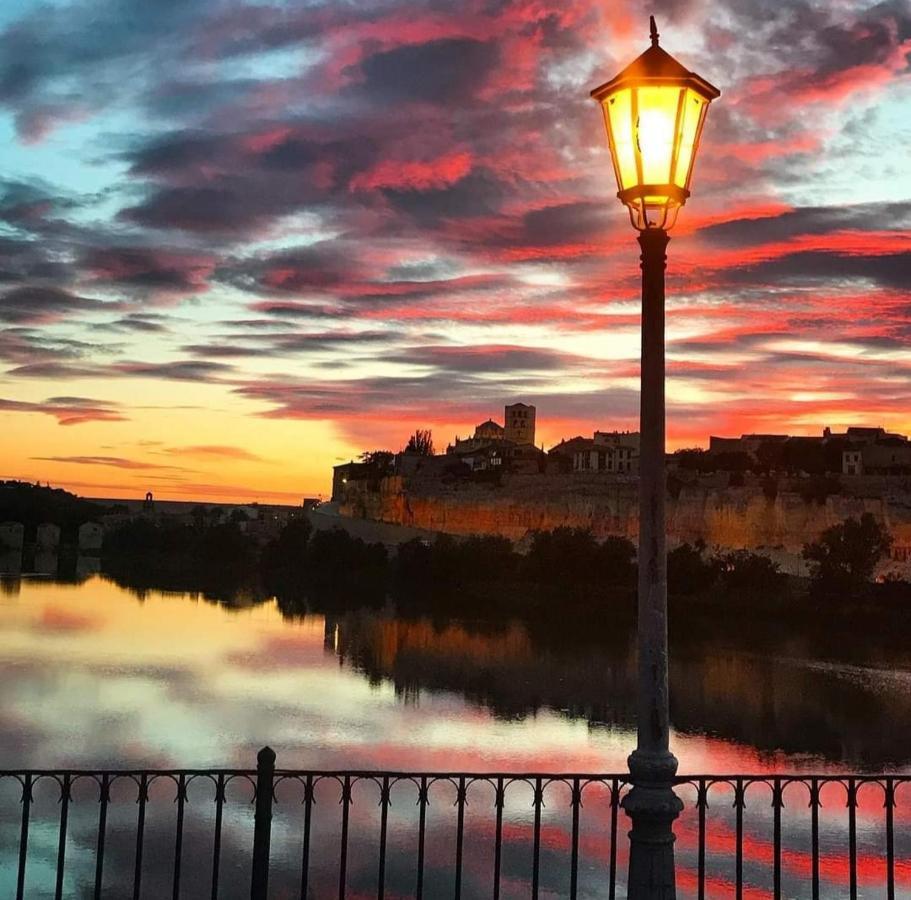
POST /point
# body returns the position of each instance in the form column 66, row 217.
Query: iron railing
column 442, row 834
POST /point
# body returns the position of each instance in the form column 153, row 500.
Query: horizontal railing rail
column 322, row 833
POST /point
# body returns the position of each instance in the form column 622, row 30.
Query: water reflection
column 93, row 674
column 790, row 702
column 196, row 681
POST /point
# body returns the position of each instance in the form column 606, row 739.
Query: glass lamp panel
column 693, row 110
column 656, row 131
column 619, row 112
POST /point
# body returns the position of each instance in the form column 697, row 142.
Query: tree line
column 566, row 570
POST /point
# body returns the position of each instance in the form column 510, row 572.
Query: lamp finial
column 653, row 30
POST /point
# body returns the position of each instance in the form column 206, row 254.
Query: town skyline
column 854, row 435
column 328, row 226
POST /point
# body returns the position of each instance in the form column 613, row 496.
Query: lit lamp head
column 654, row 111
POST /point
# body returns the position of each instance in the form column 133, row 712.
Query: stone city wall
column 707, row 508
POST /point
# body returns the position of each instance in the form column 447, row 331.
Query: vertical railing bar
column 305, row 852
column 498, row 845
column 216, row 840
column 178, row 838
column 102, row 826
column 852, row 836
column 264, row 797
column 423, row 799
column 777, row 800
column 614, row 807
column 384, row 820
column 740, row 801
column 574, row 862
column 23, row 835
column 61, row 844
column 460, row 835
column 536, row 851
column 890, row 839
column 702, row 789
column 343, row 855
column 814, row 834
column 140, row 834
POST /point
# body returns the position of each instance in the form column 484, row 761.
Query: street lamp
column 654, row 111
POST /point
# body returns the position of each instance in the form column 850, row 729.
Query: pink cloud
column 414, row 175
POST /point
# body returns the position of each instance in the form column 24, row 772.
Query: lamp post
column 654, row 111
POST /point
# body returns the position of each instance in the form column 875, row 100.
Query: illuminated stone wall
column 707, row 509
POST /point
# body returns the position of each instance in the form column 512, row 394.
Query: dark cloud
column 444, row 71
column 69, row 410
column 178, row 152
column 236, row 183
column 323, row 265
column 477, row 194
column 219, row 209
column 496, row 359
column 219, row 451
column 53, row 370
column 810, row 220
column 232, row 349
column 185, row 370
column 117, row 462
column 892, row 270
column 142, row 323
column 34, row 304
column 157, row 269
column 23, row 260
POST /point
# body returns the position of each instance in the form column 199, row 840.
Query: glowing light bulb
column 654, row 134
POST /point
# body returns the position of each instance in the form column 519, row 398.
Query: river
column 95, row 675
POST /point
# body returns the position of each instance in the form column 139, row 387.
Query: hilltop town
column 859, row 450
column 766, row 492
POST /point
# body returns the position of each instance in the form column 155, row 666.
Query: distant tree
column 688, row 571
column 284, row 560
column 693, row 459
column 563, row 556
column 618, row 560
column 238, row 515
column 380, row 460
column 421, row 442
column 337, row 560
column 742, row 572
column 842, row 561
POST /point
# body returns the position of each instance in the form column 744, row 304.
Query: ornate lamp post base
column 652, row 807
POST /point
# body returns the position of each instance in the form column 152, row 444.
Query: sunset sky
column 243, row 241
